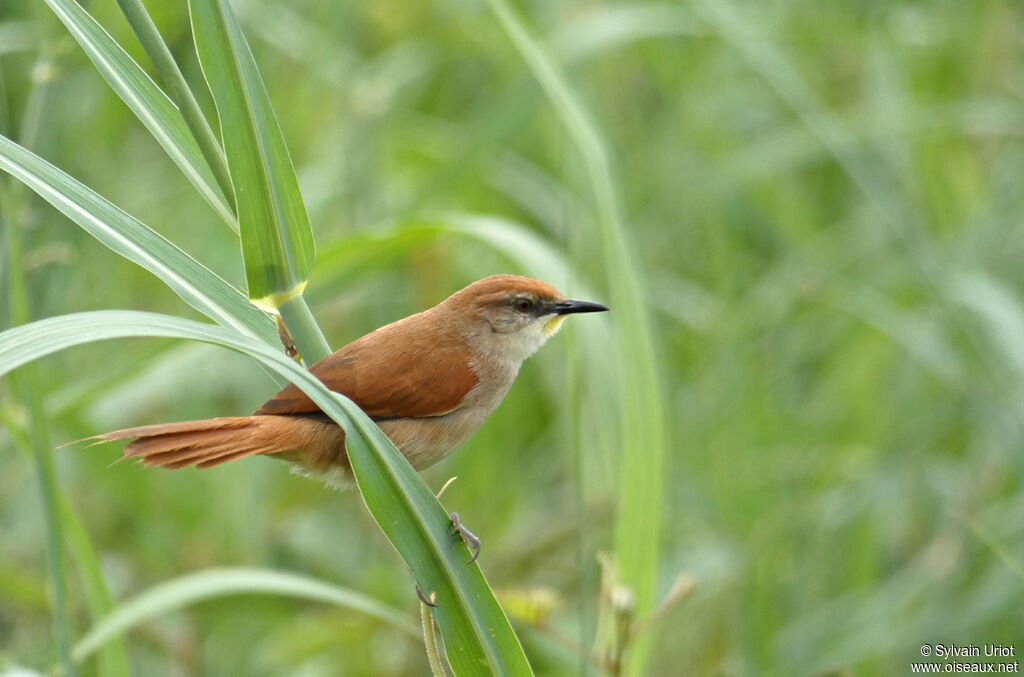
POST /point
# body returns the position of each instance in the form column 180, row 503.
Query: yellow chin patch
column 553, row 325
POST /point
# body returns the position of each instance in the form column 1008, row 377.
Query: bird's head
column 514, row 315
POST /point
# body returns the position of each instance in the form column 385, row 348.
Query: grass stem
column 304, row 330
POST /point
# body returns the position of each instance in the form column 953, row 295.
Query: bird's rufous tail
column 214, row 441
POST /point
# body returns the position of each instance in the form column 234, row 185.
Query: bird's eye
column 523, row 305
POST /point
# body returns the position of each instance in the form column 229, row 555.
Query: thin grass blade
column 178, row 90
column 168, row 596
column 149, row 103
column 29, row 390
column 643, row 443
column 112, row 659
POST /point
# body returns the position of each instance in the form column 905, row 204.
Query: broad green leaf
column 277, row 240
column 129, row 237
column 478, row 637
column 149, row 103
column 175, row 594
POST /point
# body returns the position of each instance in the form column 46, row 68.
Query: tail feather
column 204, row 450
column 214, row 441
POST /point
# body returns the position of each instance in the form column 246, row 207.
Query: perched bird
column 429, row 381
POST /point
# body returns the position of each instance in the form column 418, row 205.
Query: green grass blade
column 27, row 386
column 178, row 90
column 477, row 634
column 42, row 455
column 175, row 594
column 112, row 659
column 277, row 240
column 643, row 440
column 194, row 283
column 149, row 103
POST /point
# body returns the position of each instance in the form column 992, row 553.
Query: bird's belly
column 425, row 441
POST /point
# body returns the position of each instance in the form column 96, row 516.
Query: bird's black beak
column 570, row 306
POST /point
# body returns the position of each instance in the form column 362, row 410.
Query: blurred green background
column 827, row 202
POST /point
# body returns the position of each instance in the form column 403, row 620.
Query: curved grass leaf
column 149, row 103
column 129, row 237
column 478, row 637
column 196, row 587
column 277, row 240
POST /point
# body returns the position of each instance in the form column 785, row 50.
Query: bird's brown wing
column 407, row 369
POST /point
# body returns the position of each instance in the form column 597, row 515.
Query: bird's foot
column 468, row 537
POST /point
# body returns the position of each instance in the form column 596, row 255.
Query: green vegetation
column 807, row 399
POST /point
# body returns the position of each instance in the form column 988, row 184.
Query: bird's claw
column 423, row 598
column 468, row 537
